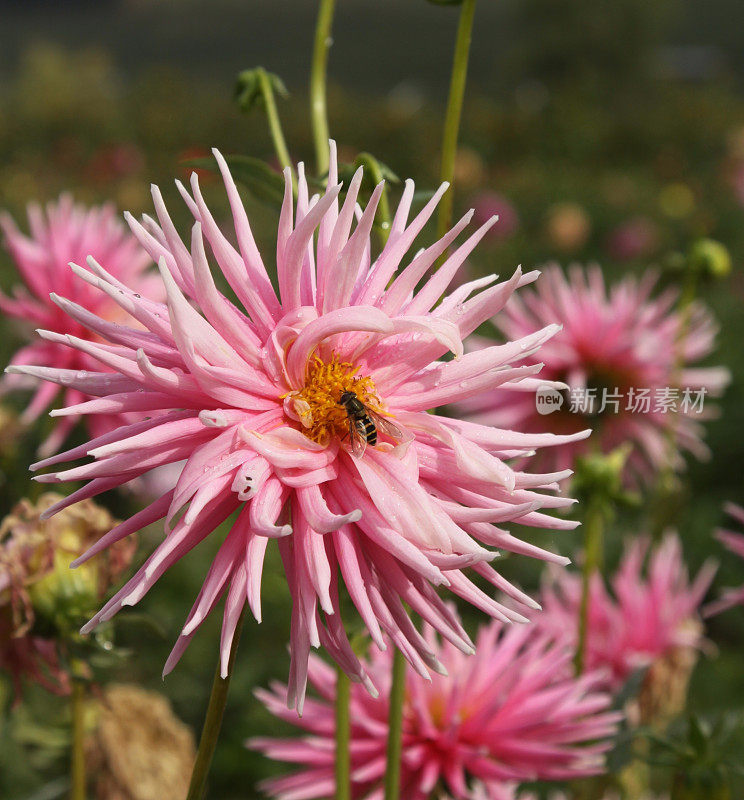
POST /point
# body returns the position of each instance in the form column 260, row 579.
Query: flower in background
column 629, row 362
column 512, row 712
column 139, row 749
column 568, row 226
column 632, row 239
column 251, row 397
column 61, row 233
column 489, row 204
column 734, row 542
column 30, row 658
column 470, row 169
column 648, row 621
column 41, row 601
column 564, row 796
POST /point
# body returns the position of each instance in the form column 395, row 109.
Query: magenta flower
column 645, row 619
column 628, row 375
column 307, row 414
column 733, row 542
column 512, row 712
column 61, row 233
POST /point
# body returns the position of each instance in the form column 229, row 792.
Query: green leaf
column 263, row 182
column 699, row 734
column 249, row 88
column 446, row 2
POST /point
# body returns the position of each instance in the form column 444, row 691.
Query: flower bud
column 35, row 555
column 710, row 258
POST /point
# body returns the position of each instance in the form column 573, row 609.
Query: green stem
column 372, row 166
column 343, row 736
column 593, row 534
column 77, row 755
column 454, row 111
column 275, row 126
column 318, row 71
column 213, row 722
column 395, row 727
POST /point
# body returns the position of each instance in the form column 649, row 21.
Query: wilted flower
column 649, row 621
column 629, row 361
column 30, row 658
column 139, row 749
column 41, row 600
column 735, row 543
column 61, row 233
column 512, row 712
column 253, row 399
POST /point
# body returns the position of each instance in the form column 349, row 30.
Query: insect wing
column 385, row 426
column 358, row 438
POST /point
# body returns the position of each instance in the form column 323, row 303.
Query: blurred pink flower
column 621, row 343
column 633, row 238
column 61, row 233
column 610, row 795
column 252, row 399
column 512, row 712
column 646, row 617
column 735, row 543
column 490, row 204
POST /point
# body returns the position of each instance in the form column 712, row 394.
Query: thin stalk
column 454, row 111
column 593, row 534
column 372, row 166
column 213, row 722
column 343, row 736
column 77, row 754
column 395, row 727
column 275, row 125
column 318, row 72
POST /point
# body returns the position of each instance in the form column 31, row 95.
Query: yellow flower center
column 317, row 403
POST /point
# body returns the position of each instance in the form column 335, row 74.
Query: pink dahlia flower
column 272, row 402
column 62, row 233
column 512, row 712
column 733, row 542
column 627, row 375
column 646, row 618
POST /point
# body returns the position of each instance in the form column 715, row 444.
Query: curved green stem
column 395, row 727
column 454, row 111
column 213, row 722
column 77, row 754
column 275, row 126
column 593, row 534
column 343, row 736
column 318, row 71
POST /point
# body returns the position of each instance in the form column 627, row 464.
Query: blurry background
column 600, row 130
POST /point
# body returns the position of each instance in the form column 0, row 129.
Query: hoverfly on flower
column 364, row 424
